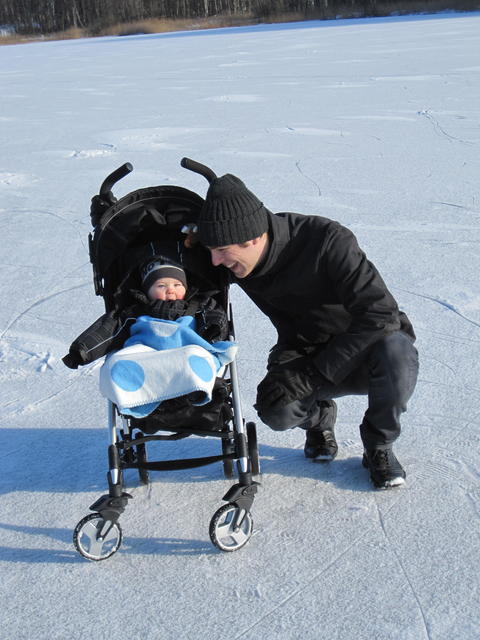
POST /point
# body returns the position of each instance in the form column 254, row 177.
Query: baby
column 163, row 295
column 163, row 281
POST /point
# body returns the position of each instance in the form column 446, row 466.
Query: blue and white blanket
column 162, row 359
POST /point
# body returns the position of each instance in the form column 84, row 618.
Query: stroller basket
column 150, row 222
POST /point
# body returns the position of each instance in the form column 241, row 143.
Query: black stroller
column 159, row 217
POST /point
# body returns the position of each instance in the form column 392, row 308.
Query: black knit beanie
column 156, row 269
column 231, row 214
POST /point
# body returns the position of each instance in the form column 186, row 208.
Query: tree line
column 47, row 16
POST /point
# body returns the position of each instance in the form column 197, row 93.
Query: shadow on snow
column 75, row 461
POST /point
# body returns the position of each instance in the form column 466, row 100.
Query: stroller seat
column 147, row 223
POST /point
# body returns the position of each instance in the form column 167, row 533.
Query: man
column 340, row 331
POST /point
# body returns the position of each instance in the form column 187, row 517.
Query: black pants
column 388, row 375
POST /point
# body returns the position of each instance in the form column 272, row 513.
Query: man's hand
column 287, row 382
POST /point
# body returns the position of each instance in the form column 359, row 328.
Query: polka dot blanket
column 162, row 359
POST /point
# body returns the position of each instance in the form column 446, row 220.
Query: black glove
column 212, row 325
column 287, row 382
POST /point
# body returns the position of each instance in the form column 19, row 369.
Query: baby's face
column 167, row 289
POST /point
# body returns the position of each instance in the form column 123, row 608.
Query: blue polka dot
column 128, row 375
column 201, row 368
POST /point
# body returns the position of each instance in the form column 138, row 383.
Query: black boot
column 385, row 470
column 320, row 443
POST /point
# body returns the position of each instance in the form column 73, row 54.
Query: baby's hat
column 156, row 269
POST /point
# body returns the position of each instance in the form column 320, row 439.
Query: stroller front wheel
column 95, row 538
column 231, row 527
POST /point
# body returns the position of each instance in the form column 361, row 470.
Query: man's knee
column 394, row 366
column 395, row 351
column 304, row 413
column 277, row 418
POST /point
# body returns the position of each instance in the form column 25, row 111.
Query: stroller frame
column 98, row 535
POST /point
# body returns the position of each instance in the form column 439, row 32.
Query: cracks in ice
column 47, row 359
column 297, row 164
column 46, row 212
column 51, row 396
column 34, row 405
column 324, row 569
column 474, row 501
column 457, row 206
column 440, row 362
column 447, row 337
column 443, row 303
column 439, row 129
column 36, row 304
column 400, row 564
column 300, row 590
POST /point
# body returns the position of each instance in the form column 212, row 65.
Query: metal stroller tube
column 196, row 167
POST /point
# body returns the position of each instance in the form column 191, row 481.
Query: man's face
column 241, row 259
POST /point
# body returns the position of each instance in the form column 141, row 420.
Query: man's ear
column 247, row 243
column 257, row 240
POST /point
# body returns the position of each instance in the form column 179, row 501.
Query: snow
column 374, row 123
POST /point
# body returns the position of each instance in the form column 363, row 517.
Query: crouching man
column 340, row 331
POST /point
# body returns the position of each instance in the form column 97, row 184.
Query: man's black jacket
column 318, row 288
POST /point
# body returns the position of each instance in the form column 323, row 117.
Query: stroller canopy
column 143, row 224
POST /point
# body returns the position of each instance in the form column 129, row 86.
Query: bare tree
column 47, row 16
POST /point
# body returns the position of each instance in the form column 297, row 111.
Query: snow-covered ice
column 375, row 123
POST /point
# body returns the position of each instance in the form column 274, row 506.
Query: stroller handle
column 114, row 177
column 203, row 170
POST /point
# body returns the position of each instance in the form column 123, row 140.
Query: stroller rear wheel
column 96, row 539
column 231, row 527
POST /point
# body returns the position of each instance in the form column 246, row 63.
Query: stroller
column 158, row 218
